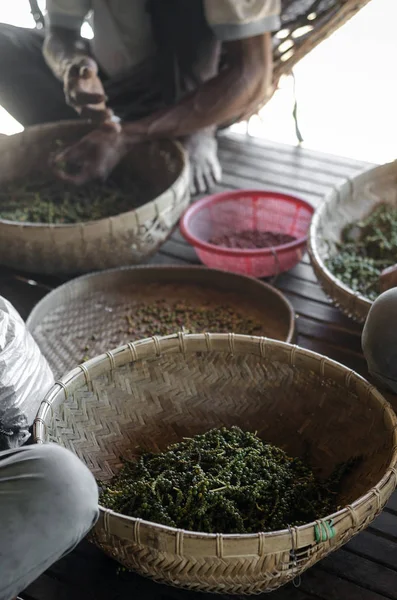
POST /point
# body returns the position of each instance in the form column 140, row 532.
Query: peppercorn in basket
column 106, row 240
column 157, row 391
column 352, row 201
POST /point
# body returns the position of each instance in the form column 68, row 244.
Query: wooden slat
column 291, row 160
column 48, row 588
column 180, row 251
column 333, row 336
column 373, row 547
column 302, row 288
column 386, row 524
column 161, row 258
column 292, row 177
column 304, row 272
column 392, row 504
column 371, row 575
column 243, row 180
column 296, row 151
column 315, row 310
column 357, row 363
column 329, row 586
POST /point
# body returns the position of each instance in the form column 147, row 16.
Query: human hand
column 93, row 157
column 84, row 90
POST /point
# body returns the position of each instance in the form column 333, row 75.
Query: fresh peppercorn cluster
column 223, row 481
column 367, row 248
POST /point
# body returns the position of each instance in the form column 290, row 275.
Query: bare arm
column 63, row 47
column 68, row 56
column 234, row 93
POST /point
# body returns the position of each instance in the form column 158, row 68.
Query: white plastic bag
column 25, row 378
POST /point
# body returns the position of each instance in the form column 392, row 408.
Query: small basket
column 156, row 391
column 124, row 239
column 350, row 202
column 248, row 210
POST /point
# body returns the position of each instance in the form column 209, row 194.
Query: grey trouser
column 48, row 502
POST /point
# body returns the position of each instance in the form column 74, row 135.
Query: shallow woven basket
column 158, row 390
column 128, row 238
column 350, row 202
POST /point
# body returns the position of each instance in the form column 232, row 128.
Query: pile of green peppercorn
column 367, row 248
column 223, row 481
column 45, row 200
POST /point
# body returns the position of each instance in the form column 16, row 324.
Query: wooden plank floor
column 366, row 568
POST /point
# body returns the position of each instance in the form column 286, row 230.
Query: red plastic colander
column 242, row 210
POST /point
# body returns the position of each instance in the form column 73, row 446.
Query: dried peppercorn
column 223, row 481
column 252, row 239
column 367, row 248
column 165, row 317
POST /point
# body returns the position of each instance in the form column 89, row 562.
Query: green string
column 324, row 532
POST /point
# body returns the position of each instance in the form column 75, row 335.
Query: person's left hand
column 93, row 157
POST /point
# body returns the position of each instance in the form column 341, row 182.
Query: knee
column 379, row 339
column 68, row 486
column 8, row 43
column 15, row 45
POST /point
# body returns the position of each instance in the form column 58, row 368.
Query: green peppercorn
column 223, row 481
column 39, row 199
column 367, row 248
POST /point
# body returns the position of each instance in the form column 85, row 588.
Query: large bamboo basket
column 155, row 391
column 129, row 238
column 351, row 201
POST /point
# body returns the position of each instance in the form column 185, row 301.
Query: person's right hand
column 84, row 90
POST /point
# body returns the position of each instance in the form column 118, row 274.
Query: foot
column 205, row 169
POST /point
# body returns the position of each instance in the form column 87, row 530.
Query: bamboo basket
column 129, row 238
column 155, row 391
column 351, row 201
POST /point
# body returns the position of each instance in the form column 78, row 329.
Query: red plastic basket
column 231, row 212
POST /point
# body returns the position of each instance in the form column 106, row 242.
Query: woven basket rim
column 179, row 150
column 260, row 346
